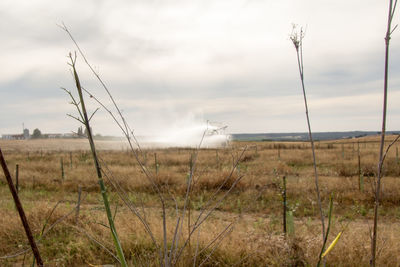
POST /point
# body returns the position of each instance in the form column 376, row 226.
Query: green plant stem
column 327, row 231
column 103, row 190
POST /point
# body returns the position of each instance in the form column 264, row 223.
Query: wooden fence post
column 62, row 169
column 78, row 205
column 17, row 178
column 284, row 204
column 360, row 175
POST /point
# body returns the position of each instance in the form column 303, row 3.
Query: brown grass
column 255, row 203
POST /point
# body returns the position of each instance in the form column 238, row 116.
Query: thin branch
column 64, row 27
column 390, row 145
column 395, row 27
column 197, row 248
column 227, row 228
column 93, row 113
column 97, row 242
column 223, row 183
column 69, row 115
column 200, row 220
column 124, row 196
column 188, row 189
column 216, row 246
column 74, row 103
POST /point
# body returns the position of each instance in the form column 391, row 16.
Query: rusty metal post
column 21, row 212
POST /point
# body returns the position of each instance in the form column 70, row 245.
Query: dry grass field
column 254, row 206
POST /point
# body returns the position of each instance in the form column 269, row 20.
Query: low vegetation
column 254, row 205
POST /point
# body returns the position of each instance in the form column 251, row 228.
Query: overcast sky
column 176, row 61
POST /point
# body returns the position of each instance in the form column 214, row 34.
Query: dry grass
column 255, row 204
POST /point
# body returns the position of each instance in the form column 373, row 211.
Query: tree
column 37, row 133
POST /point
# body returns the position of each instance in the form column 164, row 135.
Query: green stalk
column 327, row 231
column 103, row 190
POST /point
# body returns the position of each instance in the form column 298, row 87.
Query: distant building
column 13, row 136
column 70, row 135
column 53, row 135
column 26, row 134
column 23, row 136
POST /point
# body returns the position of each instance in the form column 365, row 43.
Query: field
column 51, row 171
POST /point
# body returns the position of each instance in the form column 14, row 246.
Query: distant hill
column 303, row 136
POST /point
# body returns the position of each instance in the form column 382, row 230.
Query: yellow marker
column 331, row 245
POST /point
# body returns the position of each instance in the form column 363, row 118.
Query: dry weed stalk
column 297, row 39
column 389, row 31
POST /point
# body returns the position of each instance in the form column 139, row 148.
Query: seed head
column 297, row 36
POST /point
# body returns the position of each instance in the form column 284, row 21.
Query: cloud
column 229, row 61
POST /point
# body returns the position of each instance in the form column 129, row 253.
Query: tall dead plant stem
column 297, row 39
column 389, row 31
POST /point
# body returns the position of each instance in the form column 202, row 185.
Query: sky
column 175, row 62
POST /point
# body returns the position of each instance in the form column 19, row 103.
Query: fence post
column 62, row 169
column 78, row 205
column 360, row 176
column 284, row 204
column 17, row 178
column 155, row 162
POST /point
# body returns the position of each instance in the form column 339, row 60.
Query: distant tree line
column 81, row 133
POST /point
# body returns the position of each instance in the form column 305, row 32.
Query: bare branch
column 96, row 241
column 75, row 103
column 69, row 115
column 224, row 234
column 395, row 27
column 388, row 148
column 93, row 113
